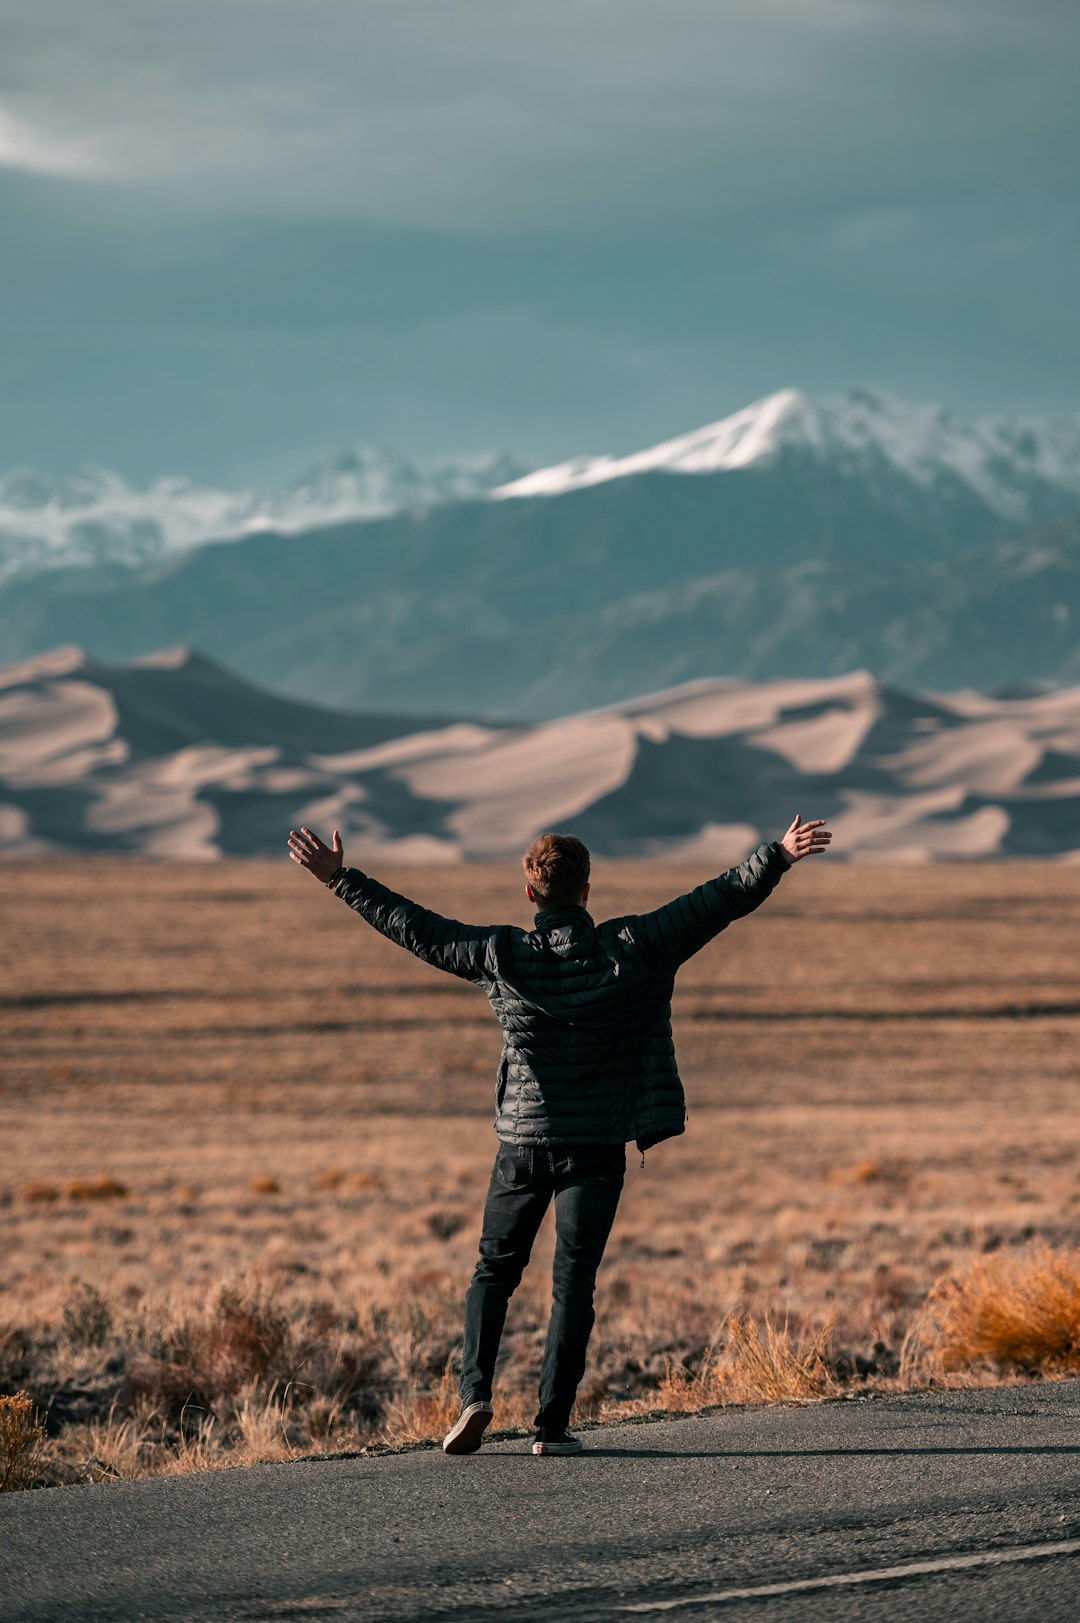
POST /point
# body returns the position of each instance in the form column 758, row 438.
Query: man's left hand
column 309, row 851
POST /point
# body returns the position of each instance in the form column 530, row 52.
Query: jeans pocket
column 513, row 1167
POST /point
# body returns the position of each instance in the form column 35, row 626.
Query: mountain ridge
column 1020, row 468
column 96, row 517
column 499, row 625
column 1012, row 463
column 804, row 559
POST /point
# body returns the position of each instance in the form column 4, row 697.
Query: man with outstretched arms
column 588, row 1066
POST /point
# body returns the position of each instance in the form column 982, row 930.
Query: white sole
column 553, row 1448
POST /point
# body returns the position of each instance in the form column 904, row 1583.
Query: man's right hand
column 805, row 839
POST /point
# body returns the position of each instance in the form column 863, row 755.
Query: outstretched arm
column 675, row 932
column 461, row 949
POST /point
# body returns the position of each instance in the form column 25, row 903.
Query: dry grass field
column 245, row 1143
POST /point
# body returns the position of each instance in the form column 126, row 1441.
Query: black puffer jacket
column 585, row 1008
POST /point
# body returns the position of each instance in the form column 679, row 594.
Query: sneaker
column 559, row 1442
column 466, row 1435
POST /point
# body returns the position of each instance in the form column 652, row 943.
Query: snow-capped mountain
column 1019, row 471
column 96, row 517
column 792, row 539
column 1019, row 467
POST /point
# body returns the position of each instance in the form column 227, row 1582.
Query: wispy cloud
column 558, row 113
column 37, row 151
column 239, row 227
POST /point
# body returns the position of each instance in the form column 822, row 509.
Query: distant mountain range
column 96, row 517
column 176, row 757
column 792, row 539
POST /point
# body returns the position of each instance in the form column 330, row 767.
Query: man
column 588, row 1064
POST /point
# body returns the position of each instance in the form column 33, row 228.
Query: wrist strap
column 334, row 877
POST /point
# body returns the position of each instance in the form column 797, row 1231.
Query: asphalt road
column 945, row 1506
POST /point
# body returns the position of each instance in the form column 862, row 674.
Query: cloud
column 557, row 224
column 23, row 147
column 551, row 114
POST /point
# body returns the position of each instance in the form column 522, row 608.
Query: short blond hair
column 557, row 867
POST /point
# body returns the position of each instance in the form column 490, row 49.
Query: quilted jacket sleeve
column 675, row 932
column 466, row 950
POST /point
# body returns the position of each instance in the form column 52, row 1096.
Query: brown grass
column 100, row 1188
column 752, row 1361
column 21, row 1436
column 40, row 1193
column 1011, row 1313
column 767, row 1363
column 293, row 1119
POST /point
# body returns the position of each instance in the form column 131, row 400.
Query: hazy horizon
column 282, row 473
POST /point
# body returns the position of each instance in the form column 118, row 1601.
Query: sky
column 237, row 235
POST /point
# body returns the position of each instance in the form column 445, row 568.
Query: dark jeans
column 586, row 1181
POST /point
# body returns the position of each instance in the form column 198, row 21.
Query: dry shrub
column 1019, row 1312
column 426, row 1414
column 200, row 1448
column 768, row 1363
column 40, row 1194
column 365, row 1180
column 18, row 1355
column 109, row 1448
column 682, row 1391
column 103, row 1188
column 324, row 1415
column 424, row 1281
column 261, row 1422
column 747, row 1362
column 249, row 1346
column 862, row 1172
column 87, row 1318
column 21, row 1436
column 444, row 1224
column 335, row 1178
column 205, row 1362
column 751, row 1363
column 242, row 1341
column 416, row 1415
column 343, row 1359
column 265, row 1186
column 891, row 1171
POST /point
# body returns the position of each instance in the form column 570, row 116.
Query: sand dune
column 173, row 756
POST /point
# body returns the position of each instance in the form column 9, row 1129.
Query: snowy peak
column 1005, row 462
column 1001, row 472
column 96, row 517
column 750, row 435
